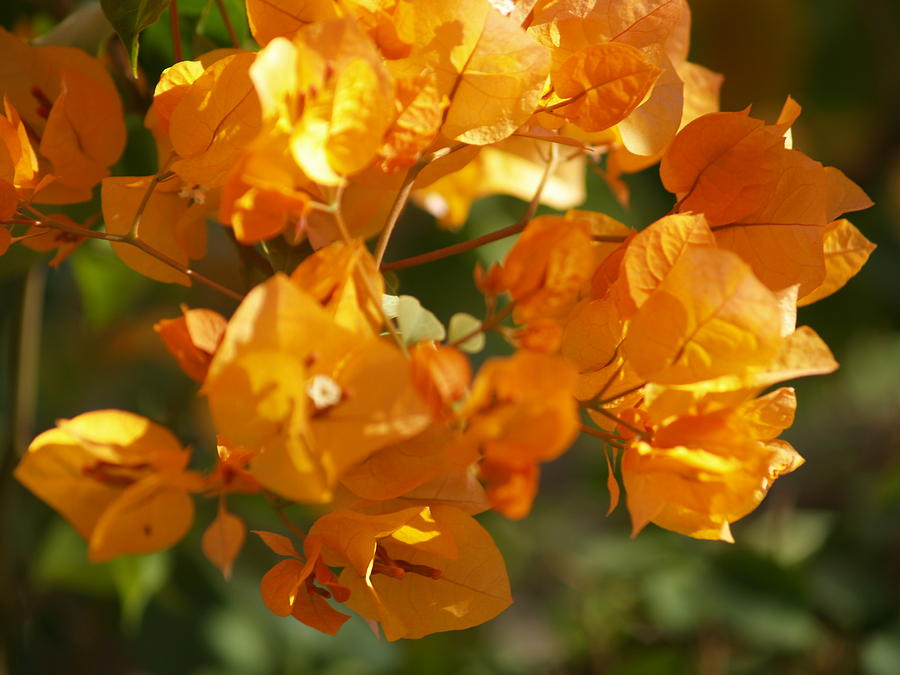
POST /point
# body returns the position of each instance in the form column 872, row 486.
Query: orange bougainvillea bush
column 668, row 345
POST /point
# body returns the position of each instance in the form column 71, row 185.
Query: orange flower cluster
column 60, row 128
column 325, row 390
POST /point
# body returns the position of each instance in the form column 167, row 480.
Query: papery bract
column 72, row 112
column 416, row 571
column 171, row 222
column 603, row 84
column 120, row 479
column 699, row 473
column 193, row 339
column 321, row 396
column 710, row 317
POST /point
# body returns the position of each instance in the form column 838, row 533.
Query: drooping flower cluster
column 325, row 390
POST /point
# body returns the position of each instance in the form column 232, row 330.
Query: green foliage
column 415, row 322
column 96, row 270
column 129, row 18
column 463, row 324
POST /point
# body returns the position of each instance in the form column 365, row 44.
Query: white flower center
column 196, row 193
column 323, row 391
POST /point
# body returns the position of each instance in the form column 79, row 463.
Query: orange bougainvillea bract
column 664, row 347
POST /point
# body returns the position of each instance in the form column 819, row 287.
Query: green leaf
column 462, row 324
column 390, row 305
column 416, row 323
column 97, row 270
column 881, row 653
column 789, row 537
column 61, row 562
column 210, row 23
column 129, row 18
column 137, row 579
column 86, row 28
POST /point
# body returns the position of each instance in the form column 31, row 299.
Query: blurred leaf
column 657, row 661
column 62, row 562
column 416, row 323
column 881, row 653
column 768, row 622
column 239, row 639
column 847, row 594
column 872, row 373
column 129, row 18
column 462, row 324
column 789, row 536
column 675, row 595
column 86, row 28
column 97, row 272
column 210, row 23
column 137, row 579
column 889, row 486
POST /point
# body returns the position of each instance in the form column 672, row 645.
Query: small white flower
column 323, row 391
column 505, row 7
column 196, row 193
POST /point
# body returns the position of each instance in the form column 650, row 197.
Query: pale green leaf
column 390, row 305
column 416, row 323
column 461, row 325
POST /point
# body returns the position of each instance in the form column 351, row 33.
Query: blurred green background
column 811, row 586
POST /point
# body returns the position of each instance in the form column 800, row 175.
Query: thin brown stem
column 134, row 230
column 190, row 273
column 176, row 31
column 228, row 25
column 509, row 231
column 610, row 379
column 52, row 224
column 639, row 433
column 402, row 197
column 558, row 139
column 677, row 206
column 26, row 237
column 561, row 104
column 397, row 207
column 489, row 324
column 549, row 168
column 373, row 293
column 455, row 249
column 282, row 516
column 610, row 399
column 612, row 439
